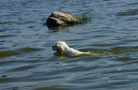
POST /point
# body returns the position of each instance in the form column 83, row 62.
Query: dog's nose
column 53, row 47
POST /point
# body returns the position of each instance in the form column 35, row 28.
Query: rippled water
column 27, row 61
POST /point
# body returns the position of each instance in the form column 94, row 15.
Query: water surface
column 27, row 61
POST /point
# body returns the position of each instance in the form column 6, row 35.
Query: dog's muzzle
column 54, row 47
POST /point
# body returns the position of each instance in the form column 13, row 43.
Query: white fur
column 63, row 48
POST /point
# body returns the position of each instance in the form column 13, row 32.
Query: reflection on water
column 130, row 12
column 94, row 52
column 57, row 28
column 17, row 52
column 27, row 61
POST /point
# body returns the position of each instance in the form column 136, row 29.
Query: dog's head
column 59, row 46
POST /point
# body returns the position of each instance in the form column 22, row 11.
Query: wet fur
column 63, row 48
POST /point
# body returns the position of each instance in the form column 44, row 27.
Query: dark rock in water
column 61, row 19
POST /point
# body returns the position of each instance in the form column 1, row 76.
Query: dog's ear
column 60, row 49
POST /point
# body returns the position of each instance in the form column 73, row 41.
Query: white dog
column 63, row 48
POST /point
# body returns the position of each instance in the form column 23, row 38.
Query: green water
column 27, row 61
